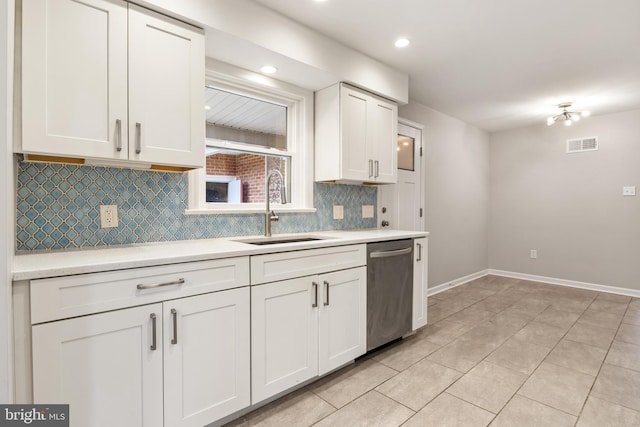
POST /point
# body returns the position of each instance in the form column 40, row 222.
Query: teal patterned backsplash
column 58, row 207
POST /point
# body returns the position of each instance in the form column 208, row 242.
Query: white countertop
column 63, row 263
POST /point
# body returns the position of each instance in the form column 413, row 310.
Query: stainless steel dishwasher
column 389, row 291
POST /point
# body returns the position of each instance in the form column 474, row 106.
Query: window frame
column 299, row 103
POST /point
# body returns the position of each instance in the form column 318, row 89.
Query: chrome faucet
column 269, row 215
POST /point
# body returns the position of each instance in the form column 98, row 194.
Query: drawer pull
column 153, row 332
column 174, row 316
column 160, row 285
column 419, row 252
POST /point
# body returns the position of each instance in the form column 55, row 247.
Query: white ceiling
column 497, row 64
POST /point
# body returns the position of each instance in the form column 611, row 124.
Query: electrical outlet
column 108, row 216
column 338, row 212
column 629, row 190
column 367, row 211
column 533, row 254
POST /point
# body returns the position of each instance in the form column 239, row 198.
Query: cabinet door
column 206, row 357
column 383, row 128
column 420, row 283
column 166, row 90
column 343, row 317
column 357, row 163
column 104, row 366
column 74, row 78
column 284, row 340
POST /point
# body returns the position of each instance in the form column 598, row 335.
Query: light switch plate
column 367, row 211
column 629, row 190
column 338, row 212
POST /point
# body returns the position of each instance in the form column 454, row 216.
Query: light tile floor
column 496, row 351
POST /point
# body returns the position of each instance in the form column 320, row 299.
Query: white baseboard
column 531, row 277
column 456, row 282
column 569, row 283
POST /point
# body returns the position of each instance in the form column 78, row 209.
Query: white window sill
column 232, row 211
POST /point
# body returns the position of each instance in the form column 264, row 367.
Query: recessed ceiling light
column 268, row 69
column 402, row 42
column 207, row 107
column 320, row 1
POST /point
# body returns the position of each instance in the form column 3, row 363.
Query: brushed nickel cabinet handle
column 160, row 285
column 138, row 136
column 326, row 287
column 153, row 332
column 370, row 168
column 315, row 291
column 419, row 252
column 118, row 135
column 377, row 174
column 174, row 316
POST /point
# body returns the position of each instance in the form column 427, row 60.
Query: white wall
column 568, row 206
column 457, row 193
column 6, row 194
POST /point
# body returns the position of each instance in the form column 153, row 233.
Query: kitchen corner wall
column 457, row 193
column 569, row 207
column 58, row 207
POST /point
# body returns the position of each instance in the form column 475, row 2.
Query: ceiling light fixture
column 402, row 42
column 268, row 69
column 567, row 116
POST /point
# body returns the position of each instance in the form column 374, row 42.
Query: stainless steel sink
column 278, row 240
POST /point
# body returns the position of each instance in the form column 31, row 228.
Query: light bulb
column 268, row 69
column 568, row 122
column 402, row 42
column 586, row 113
column 550, row 121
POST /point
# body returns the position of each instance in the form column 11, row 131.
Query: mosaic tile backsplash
column 58, row 207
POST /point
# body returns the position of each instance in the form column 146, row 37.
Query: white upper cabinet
column 74, row 77
column 107, row 80
column 166, row 90
column 355, row 138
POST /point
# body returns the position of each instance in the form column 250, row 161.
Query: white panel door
column 403, row 203
column 343, row 317
column 74, row 78
column 166, row 90
column 104, row 365
column 284, row 337
column 357, row 163
column 206, row 357
column 419, row 317
column 383, row 130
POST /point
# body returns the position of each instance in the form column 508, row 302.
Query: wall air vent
column 582, row 144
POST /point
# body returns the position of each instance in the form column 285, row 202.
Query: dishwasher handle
column 385, row 254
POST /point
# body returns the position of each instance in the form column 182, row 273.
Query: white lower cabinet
column 206, row 357
column 304, row 327
column 420, row 283
column 183, row 362
column 102, row 366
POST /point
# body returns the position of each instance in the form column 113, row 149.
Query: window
column 254, row 125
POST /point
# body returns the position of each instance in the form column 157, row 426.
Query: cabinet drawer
column 63, row 297
column 288, row 265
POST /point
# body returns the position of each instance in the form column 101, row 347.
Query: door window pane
column 406, row 152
